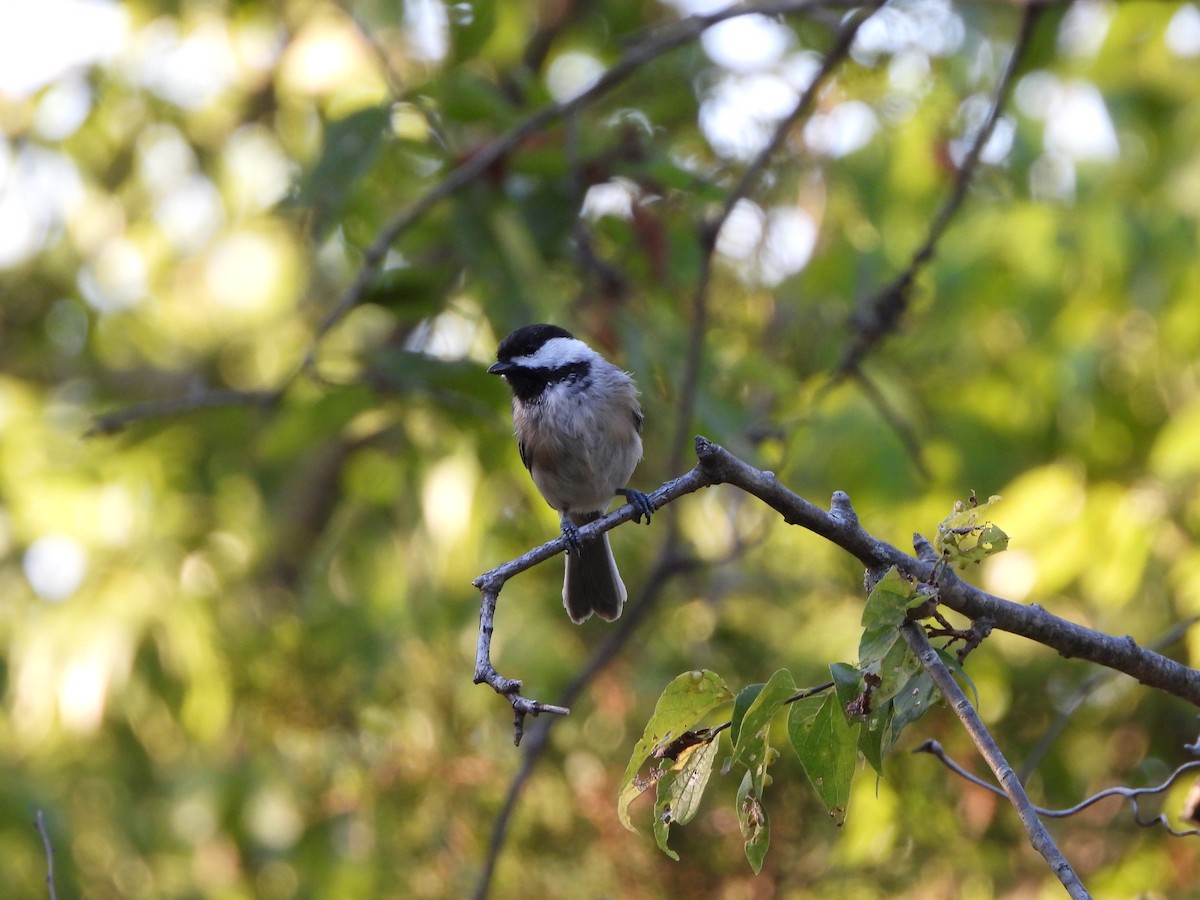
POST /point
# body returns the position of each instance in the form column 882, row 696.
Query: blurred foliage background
column 237, row 634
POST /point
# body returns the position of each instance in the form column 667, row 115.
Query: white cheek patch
column 556, row 353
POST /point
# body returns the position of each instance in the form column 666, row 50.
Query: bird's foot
column 570, row 534
column 641, row 503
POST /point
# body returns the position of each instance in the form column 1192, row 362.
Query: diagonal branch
column 660, row 42
column 709, row 231
column 840, row 526
column 111, row 423
column 880, row 316
column 914, row 635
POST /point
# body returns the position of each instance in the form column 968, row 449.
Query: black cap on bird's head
column 536, row 356
column 523, row 344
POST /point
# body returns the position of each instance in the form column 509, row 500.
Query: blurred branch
column 111, row 423
column 711, row 229
column 1132, row 794
column 880, row 316
column 40, row 822
column 1086, row 689
column 645, row 51
column 914, row 635
column 656, row 44
column 903, row 430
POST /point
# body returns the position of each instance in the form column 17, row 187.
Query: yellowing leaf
column 966, row 536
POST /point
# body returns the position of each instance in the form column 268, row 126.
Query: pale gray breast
column 579, row 453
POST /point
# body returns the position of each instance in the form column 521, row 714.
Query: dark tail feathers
column 592, row 583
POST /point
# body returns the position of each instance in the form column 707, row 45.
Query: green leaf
column 847, row 682
column 827, row 744
column 895, row 670
column 687, row 787
column 687, row 699
column 767, row 702
column 912, row 700
column 960, row 673
column 875, row 739
column 752, row 746
column 883, row 614
column 741, row 703
column 752, row 818
column 662, row 821
column 470, row 27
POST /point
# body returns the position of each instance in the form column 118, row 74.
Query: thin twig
column 914, row 635
column 893, row 419
column 40, row 822
column 490, row 584
column 880, row 316
column 537, row 741
column 934, row 748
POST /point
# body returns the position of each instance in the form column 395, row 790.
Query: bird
column 579, row 431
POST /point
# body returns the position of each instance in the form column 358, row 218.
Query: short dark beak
column 500, row 368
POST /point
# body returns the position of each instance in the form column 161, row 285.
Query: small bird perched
column 579, row 430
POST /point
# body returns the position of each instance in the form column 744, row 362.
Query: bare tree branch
column 490, row 584
column 914, row 635
column 535, row 746
column 840, row 526
column 1132, row 794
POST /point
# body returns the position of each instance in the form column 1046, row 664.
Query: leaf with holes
column 680, row 791
column 752, row 818
column 686, row 700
